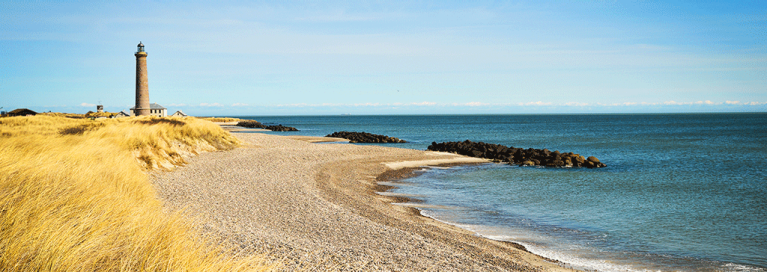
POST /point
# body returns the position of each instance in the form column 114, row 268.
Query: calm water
column 681, row 191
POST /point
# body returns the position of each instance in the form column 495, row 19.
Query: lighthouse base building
column 154, row 110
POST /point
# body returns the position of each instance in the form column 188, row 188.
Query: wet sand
column 315, row 207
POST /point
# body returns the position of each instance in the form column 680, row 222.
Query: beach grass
column 90, row 114
column 75, row 196
column 221, row 119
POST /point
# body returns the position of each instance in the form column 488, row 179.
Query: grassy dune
column 77, row 115
column 75, row 196
column 222, row 119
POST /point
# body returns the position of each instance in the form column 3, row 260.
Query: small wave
column 427, row 206
column 535, row 244
column 398, row 194
column 739, row 267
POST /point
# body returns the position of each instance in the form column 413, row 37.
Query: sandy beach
column 314, row 206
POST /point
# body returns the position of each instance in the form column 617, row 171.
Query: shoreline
column 409, row 172
column 408, row 169
column 316, row 206
column 400, row 170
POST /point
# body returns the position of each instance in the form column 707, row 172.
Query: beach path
column 313, row 206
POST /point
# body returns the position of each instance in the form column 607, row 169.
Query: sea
column 681, row 192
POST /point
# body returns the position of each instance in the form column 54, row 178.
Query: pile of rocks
column 250, row 124
column 281, row 128
column 256, row 124
column 364, row 137
column 519, row 156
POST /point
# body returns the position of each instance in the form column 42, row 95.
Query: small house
column 179, row 113
column 121, row 114
column 22, row 112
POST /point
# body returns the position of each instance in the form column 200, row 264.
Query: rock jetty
column 364, row 137
column 250, row 124
column 518, row 156
column 256, row 124
column 281, row 128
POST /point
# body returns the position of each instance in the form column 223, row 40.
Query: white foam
column 427, row 206
column 578, row 262
column 399, row 194
column 740, row 267
column 526, row 239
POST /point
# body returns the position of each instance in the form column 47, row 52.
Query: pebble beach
column 315, row 206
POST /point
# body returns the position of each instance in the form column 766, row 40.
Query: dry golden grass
column 90, row 114
column 221, row 119
column 100, row 114
column 74, row 196
column 60, row 114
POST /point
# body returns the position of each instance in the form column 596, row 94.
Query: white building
column 179, row 113
column 154, row 110
column 121, row 114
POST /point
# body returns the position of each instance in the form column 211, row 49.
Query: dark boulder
column 364, row 137
column 250, row 124
column 526, row 163
column 578, row 158
column 521, row 157
column 256, row 124
column 281, row 128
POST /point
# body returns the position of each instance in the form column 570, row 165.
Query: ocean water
column 682, row 192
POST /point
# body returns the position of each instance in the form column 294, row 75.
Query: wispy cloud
column 471, row 104
column 239, row 105
column 652, row 47
column 339, row 17
column 210, row 105
column 367, row 105
column 706, row 102
column 298, row 105
column 625, row 104
column 537, row 103
column 87, row 105
column 752, row 103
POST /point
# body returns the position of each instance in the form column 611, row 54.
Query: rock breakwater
column 364, row 137
column 518, row 156
column 256, row 124
column 281, row 128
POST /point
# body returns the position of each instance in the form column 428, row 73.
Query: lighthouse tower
column 142, row 83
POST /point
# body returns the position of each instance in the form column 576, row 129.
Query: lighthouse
column 142, row 83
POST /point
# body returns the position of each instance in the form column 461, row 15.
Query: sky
column 228, row 58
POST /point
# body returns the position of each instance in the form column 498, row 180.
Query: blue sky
column 387, row 57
